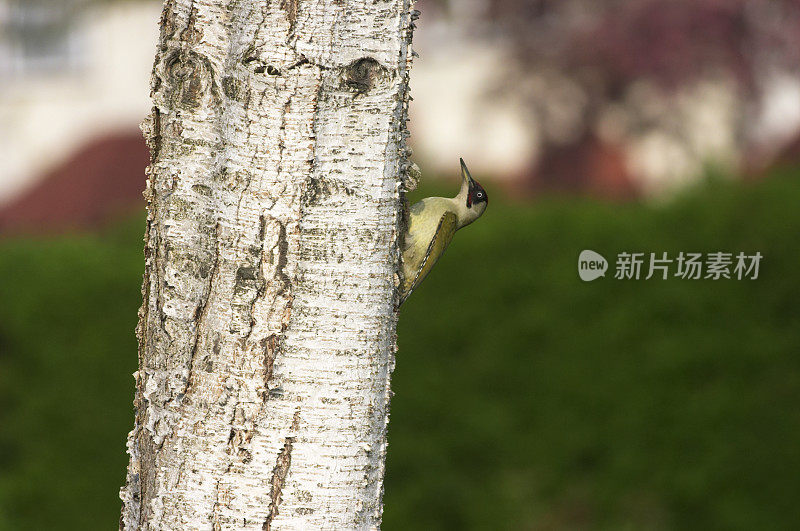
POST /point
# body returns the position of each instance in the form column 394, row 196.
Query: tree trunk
column 267, row 332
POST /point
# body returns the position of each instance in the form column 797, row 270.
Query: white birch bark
column 267, row 332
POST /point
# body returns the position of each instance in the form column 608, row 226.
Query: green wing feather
column 441, row 239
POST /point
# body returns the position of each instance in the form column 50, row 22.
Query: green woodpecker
column 431, row 225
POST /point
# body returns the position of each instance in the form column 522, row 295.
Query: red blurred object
column 589, row 165
column 96, row 185
column 790, row 154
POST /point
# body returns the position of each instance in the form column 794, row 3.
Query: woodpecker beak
column 470, row 182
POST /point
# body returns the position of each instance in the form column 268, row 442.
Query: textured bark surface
column 267, row 333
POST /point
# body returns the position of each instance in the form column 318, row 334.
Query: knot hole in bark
column 364, row 74
column 188, row 79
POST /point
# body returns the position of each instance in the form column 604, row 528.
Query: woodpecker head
column 473, row 197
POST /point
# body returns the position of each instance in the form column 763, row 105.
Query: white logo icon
column 591, row 265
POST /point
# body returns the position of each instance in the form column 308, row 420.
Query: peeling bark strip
column 279, row 474
column 278, row 143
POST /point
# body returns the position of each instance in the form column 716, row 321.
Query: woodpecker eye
column 476, row 194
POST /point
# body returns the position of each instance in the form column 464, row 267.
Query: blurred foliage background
column 525, row 398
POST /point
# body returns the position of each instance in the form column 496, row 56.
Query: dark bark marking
column 215, row 515
column 201, row 312
column 317, row 189
column 291, row 6
column 303, row 61
column 270, row 345
column 246, row 274
column 262, row 227
column 237, row 440
column 167, row 24
column 283, row 252
column 231, row 87
column 362, row 75
column 154, row 138
column 190, row 80
column 278, row 256
column 272, row 70
column 191, row 33
column 279, row 473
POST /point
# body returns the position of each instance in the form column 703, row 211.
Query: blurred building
column 613, row 98
column 71, row 72
column 603, row 97
column 458, row 109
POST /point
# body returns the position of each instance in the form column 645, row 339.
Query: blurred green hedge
column 525, row 398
